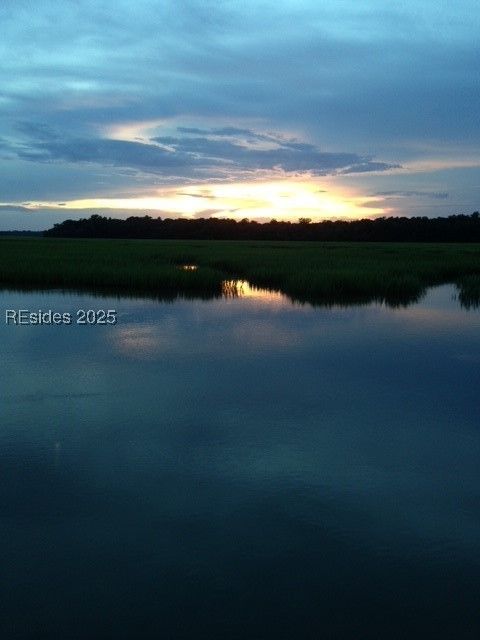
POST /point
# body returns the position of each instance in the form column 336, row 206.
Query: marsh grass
column 469, row 292
column 319, row 273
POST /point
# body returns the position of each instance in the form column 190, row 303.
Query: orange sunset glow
column 282, row 200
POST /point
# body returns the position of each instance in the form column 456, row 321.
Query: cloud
column 288, row 155
column 120, row 153
column 193, row 155
column 235, row 132
column 347, row 70
column 368, row 166
column 209, row 213
column 435, row 195
column 207, row 196
column 37, row 130
column 373, row 204
column 351, row 89
column 16, row 208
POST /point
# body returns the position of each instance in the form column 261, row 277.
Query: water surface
column 241, row 468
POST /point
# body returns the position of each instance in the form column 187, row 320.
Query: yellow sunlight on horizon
column 281, row 199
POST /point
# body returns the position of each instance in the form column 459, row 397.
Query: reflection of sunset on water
column 243, row 289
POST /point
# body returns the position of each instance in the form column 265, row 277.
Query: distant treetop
column 455, row 228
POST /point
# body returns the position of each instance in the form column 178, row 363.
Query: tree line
column 454, row 228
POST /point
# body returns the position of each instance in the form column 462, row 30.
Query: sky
column 267, row 109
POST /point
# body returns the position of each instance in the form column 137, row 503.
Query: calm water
column 241, row 469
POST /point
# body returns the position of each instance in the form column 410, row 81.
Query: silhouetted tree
column 456, row 228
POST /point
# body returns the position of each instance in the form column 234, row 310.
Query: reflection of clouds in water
column 216, row 326
column 144, row 341
column 233, row 336
column 439, row 309
column 265, row 335
column 238, row 326
column 292, row 421
column 434, row 318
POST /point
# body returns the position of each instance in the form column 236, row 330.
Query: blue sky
column 239, row 109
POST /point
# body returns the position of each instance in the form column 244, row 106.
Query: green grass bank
column 319, row 273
